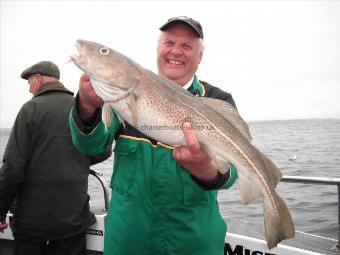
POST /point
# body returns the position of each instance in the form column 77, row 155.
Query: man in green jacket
column 44, row 178
column 163, row 198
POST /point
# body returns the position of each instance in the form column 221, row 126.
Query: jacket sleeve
column 16, row 157
column 231, row 178
column 101, row 157
column 91, row 137
column 223, row 181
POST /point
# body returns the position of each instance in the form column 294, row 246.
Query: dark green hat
column 46, row 68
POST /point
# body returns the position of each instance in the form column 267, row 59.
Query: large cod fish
column 144, row 99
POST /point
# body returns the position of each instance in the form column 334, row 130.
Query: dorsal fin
column 228, row 112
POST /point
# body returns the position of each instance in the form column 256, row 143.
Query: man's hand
column 88, row 99
column 3, row 225
column 194, row 158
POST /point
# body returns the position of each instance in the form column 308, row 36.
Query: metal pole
column 320, row 180
column 336, row 247
column 105, row 189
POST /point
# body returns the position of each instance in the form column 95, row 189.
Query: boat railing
column 106, row 190
column 324, row 181
column 285, row 178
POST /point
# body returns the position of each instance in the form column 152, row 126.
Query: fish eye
column 104, row 51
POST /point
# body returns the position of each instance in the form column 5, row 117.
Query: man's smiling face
column 179, row 53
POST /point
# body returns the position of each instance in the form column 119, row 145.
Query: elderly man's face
column 34, row 83
column 179, row 53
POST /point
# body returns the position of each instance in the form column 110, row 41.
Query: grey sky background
column 279, row 59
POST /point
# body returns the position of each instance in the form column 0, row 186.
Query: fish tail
column 278, row 222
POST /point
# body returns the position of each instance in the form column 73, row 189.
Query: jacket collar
column 197, row 88
column 53, row 86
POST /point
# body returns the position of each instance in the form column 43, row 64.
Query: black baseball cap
column 190, row 22
column 46, row 68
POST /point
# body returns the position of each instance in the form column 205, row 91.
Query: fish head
column 104, row 65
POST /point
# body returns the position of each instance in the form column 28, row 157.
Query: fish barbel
column 144, row 99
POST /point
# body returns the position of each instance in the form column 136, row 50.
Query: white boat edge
column 240, row 244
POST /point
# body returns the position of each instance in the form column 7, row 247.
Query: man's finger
column 191, row 138
column 182, row 153
column 84, row 77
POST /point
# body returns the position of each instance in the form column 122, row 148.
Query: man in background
column 44, row 179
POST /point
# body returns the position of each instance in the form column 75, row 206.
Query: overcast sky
column 279, row 59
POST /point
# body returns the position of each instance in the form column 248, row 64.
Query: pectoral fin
column 107, row 115
column 132, row 104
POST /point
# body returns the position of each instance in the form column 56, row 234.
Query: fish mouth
column 81, row 58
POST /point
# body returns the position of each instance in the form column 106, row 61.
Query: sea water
column 298, row 147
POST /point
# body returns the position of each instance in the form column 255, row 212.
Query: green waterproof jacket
column 156, row 207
